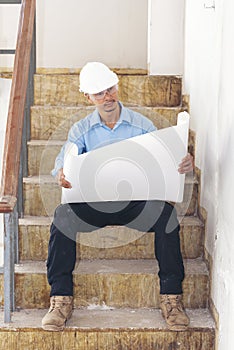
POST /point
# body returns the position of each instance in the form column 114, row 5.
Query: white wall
column 209, row 75
column 121, row 33
column 116, row 32
column 166, row 37
column 9, row 19
column 70, row 33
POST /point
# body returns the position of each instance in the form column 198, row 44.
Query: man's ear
column 89, row 98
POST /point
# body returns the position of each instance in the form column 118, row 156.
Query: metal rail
column 15, row 149
column 7, row 52
column 3, row 2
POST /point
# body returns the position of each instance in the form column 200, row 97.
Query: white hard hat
column 96, row 77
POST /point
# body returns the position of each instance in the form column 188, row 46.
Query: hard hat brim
column 96, row 77
column 98, row 88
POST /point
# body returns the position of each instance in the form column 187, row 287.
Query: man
column 111, row 122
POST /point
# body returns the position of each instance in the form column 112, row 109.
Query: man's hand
column 61, row 179
column 186, row 165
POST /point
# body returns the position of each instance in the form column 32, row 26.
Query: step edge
column 48, row 179
column 39, row 267
column 36, row 142
column 196, row 317
column 40, row 220
column 119, row 71
column 81, row 106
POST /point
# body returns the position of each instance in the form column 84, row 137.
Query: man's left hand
column 186, row 164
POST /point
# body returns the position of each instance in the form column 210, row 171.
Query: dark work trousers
column 146, row 216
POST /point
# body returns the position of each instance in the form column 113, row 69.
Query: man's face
column 106, row 100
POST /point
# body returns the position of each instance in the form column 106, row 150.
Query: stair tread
column 36, row 179
column 44, row 179
column 101, row 266
column 105, row 318
column 80, row 106
column 46, row 220
column 45, row 143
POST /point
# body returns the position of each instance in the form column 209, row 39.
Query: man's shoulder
column 137, row 118
column 85, row 122
column 135, row 113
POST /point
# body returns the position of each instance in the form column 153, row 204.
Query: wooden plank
column 7, row 204
column 13, row 139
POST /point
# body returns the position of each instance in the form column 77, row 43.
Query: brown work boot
column 173, row 312
column 60, row 311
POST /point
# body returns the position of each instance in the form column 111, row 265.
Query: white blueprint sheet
column 144, row 167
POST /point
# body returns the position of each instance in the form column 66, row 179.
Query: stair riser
column 115, row 290
column 54, row 122
column 124, row 339
column 42, row 199
column 163, row 91
column 108, row 243
column 41, row 157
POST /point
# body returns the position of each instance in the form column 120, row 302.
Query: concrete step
column 111, row 242
column 41, row 156
column 105, row 329
column 144, row 90
column 53, row 122
column 117, row 283
column 42, row 195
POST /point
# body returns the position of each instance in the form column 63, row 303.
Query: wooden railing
column 13, row 145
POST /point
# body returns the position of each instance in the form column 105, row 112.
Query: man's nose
column 107, row 94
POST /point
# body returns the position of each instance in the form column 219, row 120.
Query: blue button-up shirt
column 91, row 133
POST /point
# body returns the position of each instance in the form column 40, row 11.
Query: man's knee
column 155, row 216
column 65, row 219
column 75, row 217
column 171, row 218
column 165, row 217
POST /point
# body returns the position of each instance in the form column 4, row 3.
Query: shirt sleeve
column 141, row 121
column 151, row 127
column 75, row 135
column 147, row 125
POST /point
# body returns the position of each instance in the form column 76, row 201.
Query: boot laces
column 57, row 303
column 174, row 303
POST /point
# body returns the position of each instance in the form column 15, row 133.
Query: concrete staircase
column 116, row 284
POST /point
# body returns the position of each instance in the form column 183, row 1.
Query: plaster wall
column 209, row 74
column 142, row 34
column 70, row 33
column 9, row 19
column 166, row 37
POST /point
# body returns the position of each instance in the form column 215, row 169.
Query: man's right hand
column 61, row 179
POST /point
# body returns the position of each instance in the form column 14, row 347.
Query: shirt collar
column 95, row 118
column 124, row 116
